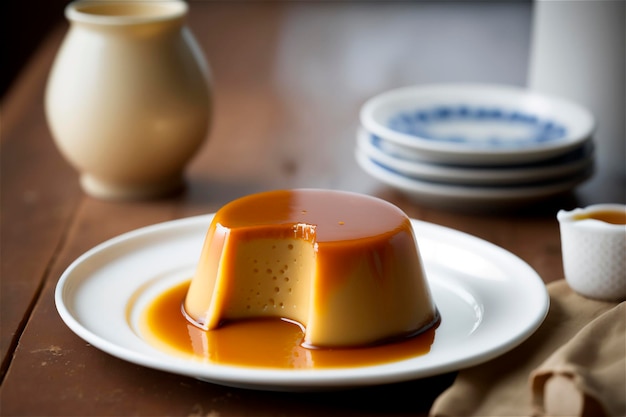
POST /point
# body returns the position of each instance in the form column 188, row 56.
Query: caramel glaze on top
column 342, row 216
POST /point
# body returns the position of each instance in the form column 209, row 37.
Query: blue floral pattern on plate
column 483, row 127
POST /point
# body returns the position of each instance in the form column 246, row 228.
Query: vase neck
column 121, row 14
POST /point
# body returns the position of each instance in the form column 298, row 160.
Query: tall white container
column 578, row 51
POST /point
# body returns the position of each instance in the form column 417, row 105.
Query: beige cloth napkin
column 573, row 365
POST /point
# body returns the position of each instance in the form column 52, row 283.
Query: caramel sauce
column 267, row 342
column 607, row 216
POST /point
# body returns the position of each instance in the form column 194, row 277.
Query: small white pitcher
column 593, row 242
column 128, row 99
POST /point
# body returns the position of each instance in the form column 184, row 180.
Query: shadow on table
column 399, row 399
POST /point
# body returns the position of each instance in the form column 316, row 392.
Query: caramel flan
column 344, row 266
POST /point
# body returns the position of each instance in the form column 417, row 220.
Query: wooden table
column 289, row 79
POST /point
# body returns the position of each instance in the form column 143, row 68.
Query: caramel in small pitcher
column 607, row 216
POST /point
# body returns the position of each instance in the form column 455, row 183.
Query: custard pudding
column 344, row 266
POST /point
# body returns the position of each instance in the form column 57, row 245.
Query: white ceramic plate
column 469, row 124
column 489, row 300
column 379, row 150
column 468, row 197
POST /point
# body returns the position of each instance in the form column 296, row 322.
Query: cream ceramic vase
column 128, row 99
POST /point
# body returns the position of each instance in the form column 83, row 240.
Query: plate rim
column 286, row 380
column 452, row 152
column 463, row 193
column 475, row 175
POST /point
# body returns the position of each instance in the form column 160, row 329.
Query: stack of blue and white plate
column 475, row 146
